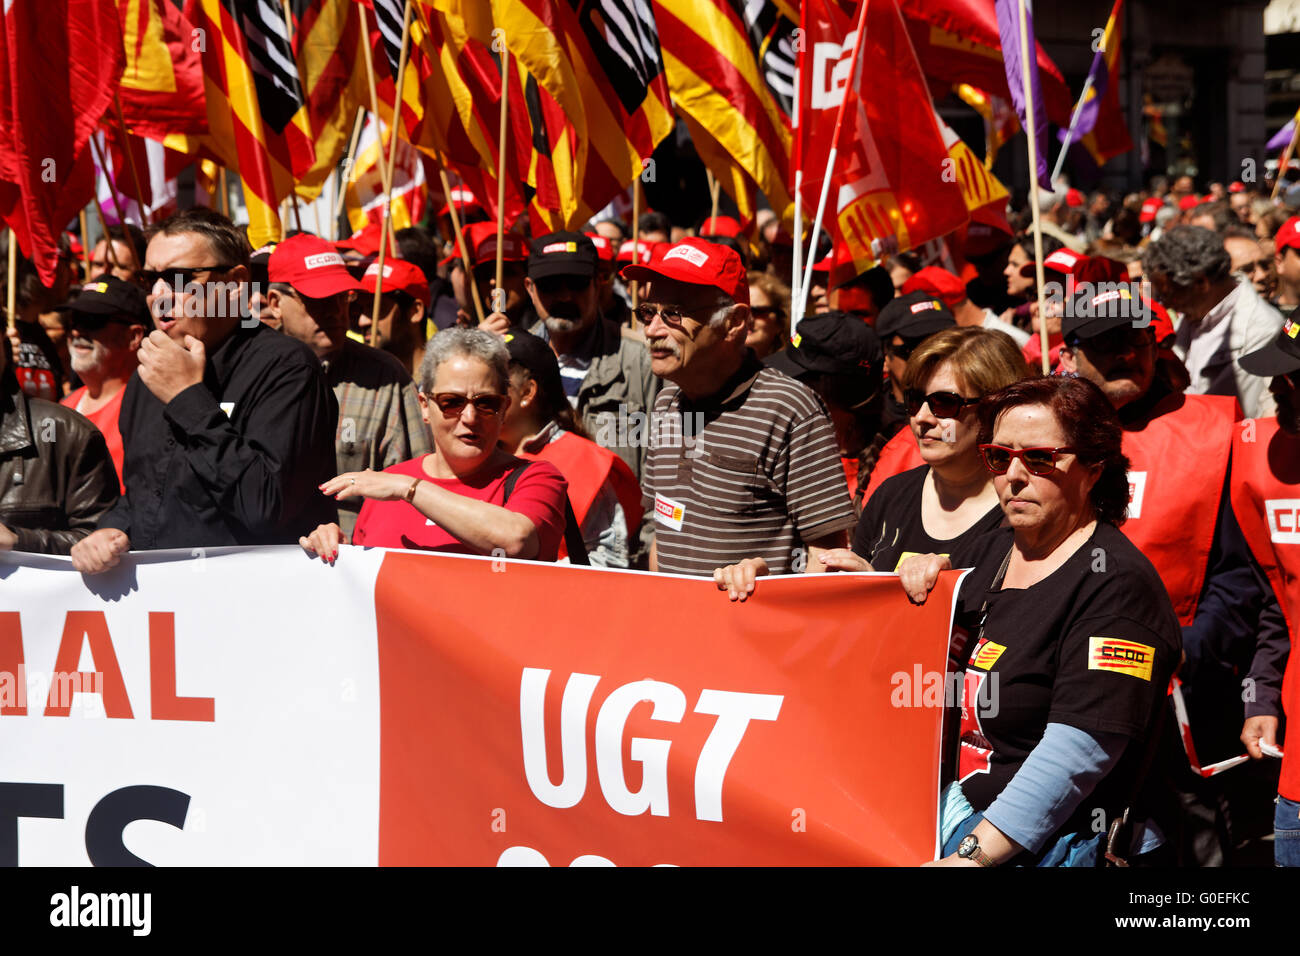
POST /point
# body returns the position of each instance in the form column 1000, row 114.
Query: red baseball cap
column 604, row 248
column 481, row 237
column 1236, row 186
column 1189, row 202
column 697, row 262
column 645, row 251
column 1063, row 261
column 365, row 242
column 720, row 226
column 1073, row 197
column 1150, row 208
column 462, row 197
column 1288, row 237
column 939, row 282
column 399, row 276
column 311, row 265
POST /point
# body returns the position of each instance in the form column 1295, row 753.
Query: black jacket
column 56, row 479
column 234, row 460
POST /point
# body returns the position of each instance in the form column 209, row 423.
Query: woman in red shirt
column 456, row 498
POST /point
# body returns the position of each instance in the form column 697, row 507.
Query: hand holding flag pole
column 384, row 236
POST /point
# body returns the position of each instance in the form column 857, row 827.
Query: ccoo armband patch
column 1122, row 657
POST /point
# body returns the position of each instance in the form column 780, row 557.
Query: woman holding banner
column 950, row 498
column 468, row 495
column 1068, row 639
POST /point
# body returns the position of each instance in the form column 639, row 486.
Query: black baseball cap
column 536, row 356
column 563, row 254
column 1279, row 357
column 831, row 343
column 1092, row 311
column 109, row 299
column 913, row 316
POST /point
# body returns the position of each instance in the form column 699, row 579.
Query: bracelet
column 409, row 497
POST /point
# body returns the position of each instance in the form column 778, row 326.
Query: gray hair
column 1185, row 254
column 488, row 348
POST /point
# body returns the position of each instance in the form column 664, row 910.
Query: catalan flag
column 602, row 65
column 327, row 48
column 1000, row 120
column 1100, row 126
column 162, row 82
column 365, row 192
column 717, row 86
column 256, row 114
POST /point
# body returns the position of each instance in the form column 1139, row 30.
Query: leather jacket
column 56, row 478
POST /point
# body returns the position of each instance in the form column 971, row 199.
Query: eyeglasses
column 176, row 275
column 766, row 311
column 673, row 317
column 452, row 404
column 942, row 404
column 1037, row 461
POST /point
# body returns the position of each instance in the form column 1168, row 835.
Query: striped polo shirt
column 752, row 471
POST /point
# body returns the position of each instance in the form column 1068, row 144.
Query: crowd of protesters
column 637, row 400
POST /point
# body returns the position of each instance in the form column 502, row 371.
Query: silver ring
column 353, row 480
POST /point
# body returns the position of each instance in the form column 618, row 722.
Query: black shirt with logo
column 1092, row 645
column 890, row 528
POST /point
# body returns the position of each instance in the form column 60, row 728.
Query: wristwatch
column 969, row 849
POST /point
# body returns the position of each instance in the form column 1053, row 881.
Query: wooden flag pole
column 635, row 287
column 1285, row 161
column 347, row 163
column 713, row 193
column 460, row 243
column 85, row 241
column 374, row 96
column 110, row 254
column 11, row 285
column 225, row 191
column 501, row 174
column 388, row 193
column 1031, row 134
column 130, row 161
column 797, row 226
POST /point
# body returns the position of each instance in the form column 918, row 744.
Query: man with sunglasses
column 1178, row 446
column 606, row 375
column 379, row 421
column 1265, row 493
column 227, row 425
column 743, row 459
column 903, row 324
column 106, row 324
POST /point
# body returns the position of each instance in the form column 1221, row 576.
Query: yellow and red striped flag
column 327, row 48
column 257, row 118
column 365, row 191
column 717, row 86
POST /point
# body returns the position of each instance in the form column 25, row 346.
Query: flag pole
column 85, row 241
column 1031, row 134
column 110, row 255
column 1285, row 161
column 501, row 172
column 830, row 165
column 713, row 192
column 1069, row 133
column 11, row 286
column 130, row 160
column 347, row 164
column 796, row 228
column 388, row 193
column 225, row 191
column 460, row 242
column 636, row 245
column 112, row 186
column 374, row 95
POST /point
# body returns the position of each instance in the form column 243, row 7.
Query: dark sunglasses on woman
column 942, row 404
column 452, row 404
column 1037, row 461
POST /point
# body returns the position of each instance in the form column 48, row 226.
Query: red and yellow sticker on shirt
column 986, row 654
column 1124, row 657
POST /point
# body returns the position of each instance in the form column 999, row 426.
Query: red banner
column 650, row 721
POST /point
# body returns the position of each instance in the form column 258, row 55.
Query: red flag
column 62, row 60
column 162, row 82
column 893, row 180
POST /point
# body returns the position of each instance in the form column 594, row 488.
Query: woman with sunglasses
column 769, row 309
column 950, row 498
column 1067, row 636
column 468, row 495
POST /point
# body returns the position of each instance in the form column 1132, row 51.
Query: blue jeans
column 1286, row 832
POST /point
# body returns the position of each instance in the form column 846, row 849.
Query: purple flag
column 1283, row 136
column 1008, row 12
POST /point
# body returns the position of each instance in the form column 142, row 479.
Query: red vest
column 1265, row 494
column 1177, row 464
column 586, row 467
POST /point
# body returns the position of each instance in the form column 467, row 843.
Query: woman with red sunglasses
column 468, row 495
column 1068, row 640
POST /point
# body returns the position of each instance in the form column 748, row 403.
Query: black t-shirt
column 890, row 528
column 1092, row 645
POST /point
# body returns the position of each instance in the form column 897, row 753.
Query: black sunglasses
column 452, row 404
column 177, row 275
column 554, row 285
column 905, row 350
column 942, row 404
